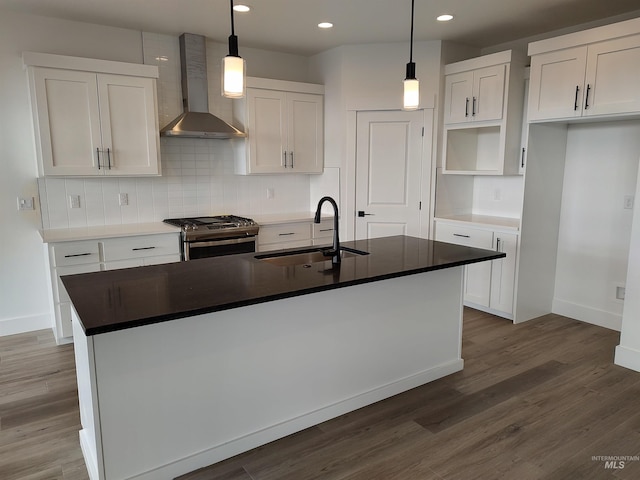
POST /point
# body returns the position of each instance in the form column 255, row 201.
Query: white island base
column 165, row 399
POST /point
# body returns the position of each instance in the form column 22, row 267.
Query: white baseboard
column 13, row 326
column 274, row 432
column 90, row 460
column 601, row 318
column 628, row 358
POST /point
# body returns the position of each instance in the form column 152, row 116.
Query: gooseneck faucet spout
column 335, row 249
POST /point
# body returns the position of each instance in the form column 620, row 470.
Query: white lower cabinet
column 294, row 234
column 86, row 256
column 487, row 285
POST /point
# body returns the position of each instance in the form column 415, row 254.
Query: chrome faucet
column 335, row 249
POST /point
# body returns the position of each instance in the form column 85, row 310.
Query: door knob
column 362, row 214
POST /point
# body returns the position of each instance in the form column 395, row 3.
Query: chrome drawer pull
column 460, row 235
column 143, row 248
column 78, row 255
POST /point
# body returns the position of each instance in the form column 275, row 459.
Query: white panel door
column 556, row 84
column 613, row 77
column 503, row 273
column 129, row 125
column 459, row 90
column 388, row 172
column 488, row 93
column 68, row 120
column 305, row 132
column 267, row 130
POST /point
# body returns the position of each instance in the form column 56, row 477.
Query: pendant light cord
column 233, row 28
column 411, row 45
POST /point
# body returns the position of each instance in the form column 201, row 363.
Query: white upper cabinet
column 476, row 95
column 483, row 115
column 91, row 123
column 586, row 74
column 285, row 128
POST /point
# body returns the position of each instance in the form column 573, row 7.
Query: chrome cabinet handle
column 109, row 158
column 142, row 248
column 291, row 159
column 466, row 107
column 286, row 234
column 98, row 157
column 362, row 214
column 284, row 159
column 473, row 108
column 461, row 235
column 522, row 158
column 78, row 255
column 575, row 102
column 498, row 245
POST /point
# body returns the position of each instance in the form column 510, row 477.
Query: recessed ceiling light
column 241, row 8
column 325, row 25
column 444, row 18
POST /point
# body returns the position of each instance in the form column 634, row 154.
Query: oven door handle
column 214, row 243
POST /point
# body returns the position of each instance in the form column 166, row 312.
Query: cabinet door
column 305, row 132
column 67, row 121
column 266, row 130
column 613, row 77
column 556, row 84
column 503, row 273
column 129, row 125
column 488, row 93
column 457, row 98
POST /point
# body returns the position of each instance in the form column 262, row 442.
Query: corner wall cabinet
column 284, row 122
column 488, row 286
column 69, row 258
column 483, row 114
column 578, row 76
column 91, row 123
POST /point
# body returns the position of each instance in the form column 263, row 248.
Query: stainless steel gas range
column 204, row 237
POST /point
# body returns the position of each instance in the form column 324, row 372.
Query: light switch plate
column 74, row 201
column 26, row 203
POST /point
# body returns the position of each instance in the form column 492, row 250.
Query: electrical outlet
column 620, row 291
column 74, row 201
column 497, row 195
column 26, row 203
column 123, row 198
column 628, row 202
column 270, row 193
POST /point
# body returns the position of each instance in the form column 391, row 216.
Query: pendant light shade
column 233, row 67
column 411, row 83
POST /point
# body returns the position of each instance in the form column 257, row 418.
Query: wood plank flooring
column 535, row 401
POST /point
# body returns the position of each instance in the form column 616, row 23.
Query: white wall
column 24, row 297
column 601, row 168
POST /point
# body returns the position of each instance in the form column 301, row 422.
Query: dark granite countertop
column 132, row 297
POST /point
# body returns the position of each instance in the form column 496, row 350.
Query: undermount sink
column 306, row 256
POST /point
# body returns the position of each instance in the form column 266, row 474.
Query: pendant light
column 411, row 84
column 233, row 67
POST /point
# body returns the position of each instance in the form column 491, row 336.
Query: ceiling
column 291, row 25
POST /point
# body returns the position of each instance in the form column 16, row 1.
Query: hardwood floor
column 535, row 401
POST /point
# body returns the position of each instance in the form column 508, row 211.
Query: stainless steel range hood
column 196, row 121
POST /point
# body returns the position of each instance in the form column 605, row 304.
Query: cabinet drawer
column 323, row 229
column 461, row 235
column 142, row 246
column 75, row 253
column 286, row 232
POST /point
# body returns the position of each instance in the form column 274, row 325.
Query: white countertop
column 106, row 231
column 504, row 223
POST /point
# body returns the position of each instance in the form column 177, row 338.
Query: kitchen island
column 183, row 365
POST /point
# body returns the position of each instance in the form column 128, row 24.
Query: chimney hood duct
column 196, row 121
